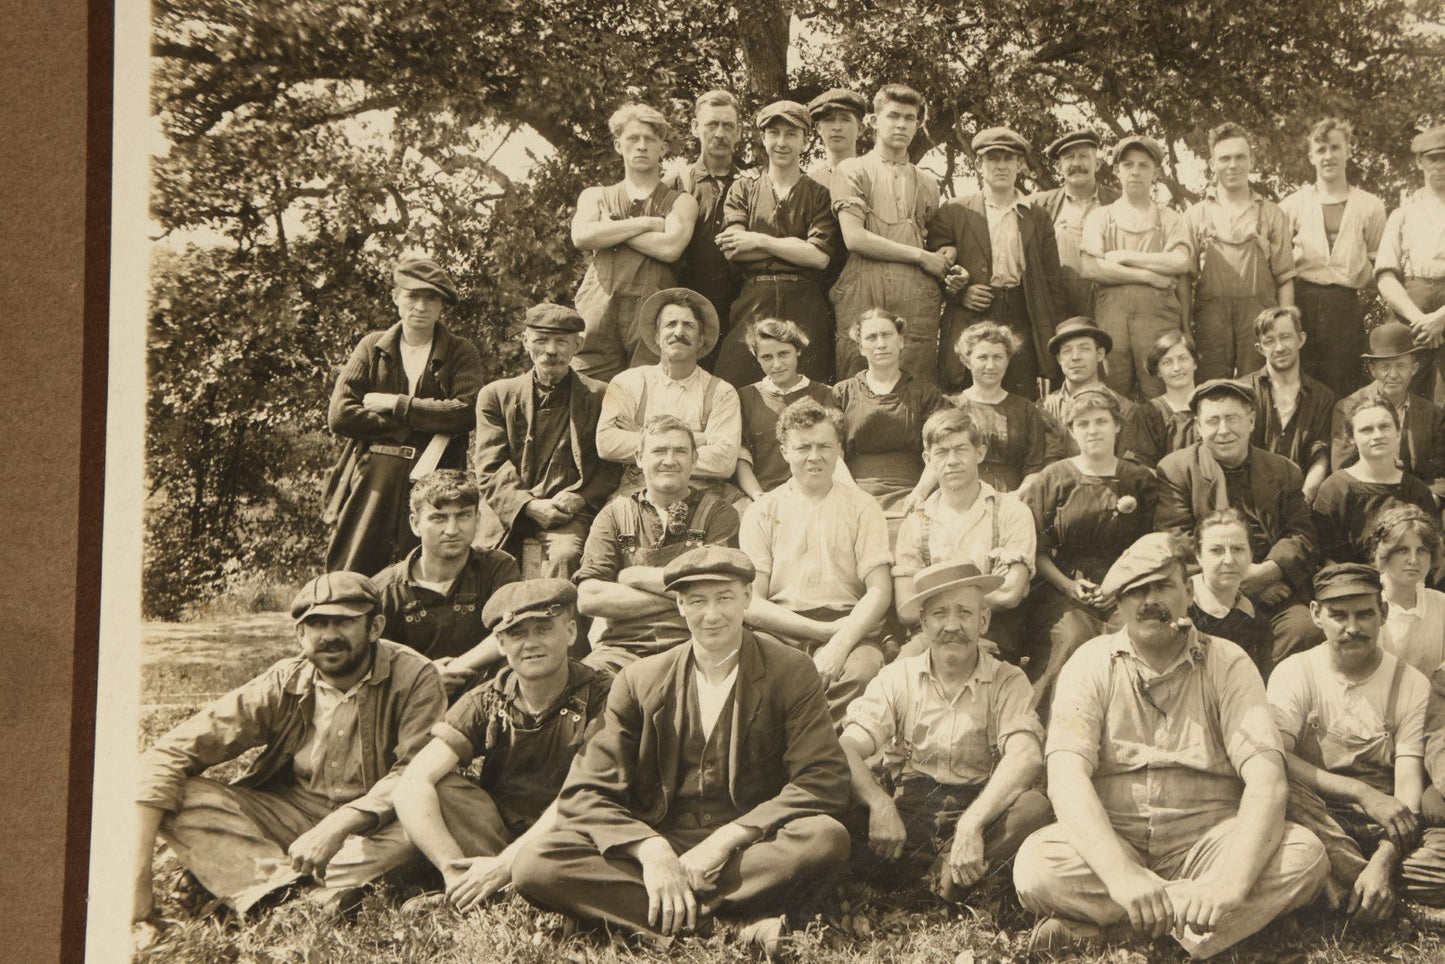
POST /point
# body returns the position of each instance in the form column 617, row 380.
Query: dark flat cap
column 554, row 318
column 336, row 594
column 1150, row 559
column 838, row 99
column 943, row 576
column 1429, row 141
column 708, row 564
column 416, row 274
column 1061, row 144
column 1146, row 144
column 1346, row 579
column 1223, row 388
column 785, row 110
column 1076, row 326
column 1000, row 138
column 528, row 599
column 1391, row 340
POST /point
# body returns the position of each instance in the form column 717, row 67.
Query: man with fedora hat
column 1076, row 157
column 1352, row 718
column 681, row 326
column 1010, row 263
column 1393, row 359
column 779, row 231
column 961, row 747
column 535, row 452
column 1168, row 779
column 401, row 390
column 335, row 725
column 1079, row 347
column 712, row 786
column 1139, row 254
column 1224, row 469
column 838, row 115
column 1410, row 265
column 524, row 726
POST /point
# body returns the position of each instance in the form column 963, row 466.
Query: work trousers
column 1135, row 316
column 1052, row 879
column 1291, row 625
column 372, row 528
column 903, row 290
column 1333, row 317
column 1224, row 335
column 1066, row 625
column 1009, row 308
column 548, row 553
column 788, row 298
column 1429, row 295
column 862, row 664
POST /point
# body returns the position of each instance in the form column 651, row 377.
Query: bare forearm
column 1393, row 291
column 419, row 809
column 865, row 787
column 862, row 241
column 1258, row 830
column 611, row 600
column 596, row 235
column 1083, row 819
column 764, row 614
column 480, row 656
column 1169, row 263
column 1110, row 273
column 1015, row 773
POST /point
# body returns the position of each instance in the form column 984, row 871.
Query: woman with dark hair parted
column 1220, row 607
column 1406, row 548
column 1174, row 360
column 1014, row 429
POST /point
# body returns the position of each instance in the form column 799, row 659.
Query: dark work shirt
column 1236, row 487
column 436, row 624
column 704, row 269
column 552, row 434
column 805, row 213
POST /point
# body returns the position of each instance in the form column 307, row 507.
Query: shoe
column 763, row 938
column 1055, row 934
column 425, row 903
column 336, row 904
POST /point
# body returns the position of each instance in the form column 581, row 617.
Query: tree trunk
column 763, row 29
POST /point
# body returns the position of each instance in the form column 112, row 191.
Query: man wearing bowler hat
column 1139, row 254
column 1168, row 778
column 401, row 389
column 681, row 326
column 1076, row 157
column 535, row 453
column 336, row 725
column 961, row 747
column 524, row 726
column 1393, row 359
column 1010, row 261
column 712, row 787
column 1410, row 266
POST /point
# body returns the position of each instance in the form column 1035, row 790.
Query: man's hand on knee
column 472, row 880
column 311, row 852
column 671, row 905
column 1373, row 896
column 1201, row 905
column 1145, row 898
column 966, row 864
column 886, row 830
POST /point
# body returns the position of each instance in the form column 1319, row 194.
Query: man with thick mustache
column 1076, row 157
column 1168, row 779
column 337, row 725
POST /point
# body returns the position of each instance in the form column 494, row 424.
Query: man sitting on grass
column 524, row 725
column 336, row 724
column 960, row 742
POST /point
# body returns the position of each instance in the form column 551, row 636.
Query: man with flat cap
column 712, row 786
column 961, row 748
column 681, row 326
column 1010, row 263
column 1410, row 266
column 1076, row 157
column 838, row 115
column 1168, row 779
column 1352, row 718
column 780, row 233
column 1139, row 255
column 335, row 725
column 523, row 726
column 1223, row 470
column 403, row 390
column 535, row 453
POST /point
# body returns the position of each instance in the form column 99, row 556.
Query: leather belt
column 773, row 277
column 407, row 452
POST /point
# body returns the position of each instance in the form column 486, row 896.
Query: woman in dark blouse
column 777, row 345
column 1174, row 360
column 1013, row 427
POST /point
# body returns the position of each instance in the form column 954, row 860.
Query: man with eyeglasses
column 1224, row 469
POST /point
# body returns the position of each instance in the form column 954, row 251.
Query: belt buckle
column 407, row 451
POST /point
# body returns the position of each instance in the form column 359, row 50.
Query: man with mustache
column 681, row 326
column 1296, row 409
column 1352, row 718
column 535, row 453
column 1076, row 157
column 1224, row 469
column 960, row 744
column 336, row 726
column 1168, row 779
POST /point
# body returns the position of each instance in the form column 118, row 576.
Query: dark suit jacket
column 1422, row 438
column 1191, row 486
column 962, row 224
column 505, row 458
column 784, row 761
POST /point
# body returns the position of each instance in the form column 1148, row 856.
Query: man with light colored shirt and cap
column 402, row 390
column 780, row 233
column 535, row 453
column 1352, row 718
column 1007, row 265
column 1076, row 156
column 1168, row 779
column 1139, row 254
column 1410, row 265
column 335, row 725
column 1224, row 469
column 838, row 115
column 681, row 326
column 524, row 726
column 961, row 748
column 712, row 787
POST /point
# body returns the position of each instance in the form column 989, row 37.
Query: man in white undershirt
column 712, row 786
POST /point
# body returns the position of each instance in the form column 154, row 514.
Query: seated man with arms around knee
column 525, row 725
column 961, row 746
column 1168, row 779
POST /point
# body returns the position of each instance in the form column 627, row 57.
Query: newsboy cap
column 708, row 564
column 1146, row 144
column 1060, row 144
column 528, row 599
column 786, row 110
column 339, row 593
column 553, row 318
column 416, row 274
column 1152, row 558
column 1429, row 141
column 838, row 98
column 943, row 576
column 995, row 138
column 1223, row 388
column 1346, row 579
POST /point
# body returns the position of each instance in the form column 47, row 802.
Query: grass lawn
column 188, row 664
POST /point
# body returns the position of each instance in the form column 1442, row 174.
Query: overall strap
column 707, row 399
column 1392, row 701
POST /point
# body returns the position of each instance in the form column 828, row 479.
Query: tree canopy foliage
column 311, row 141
